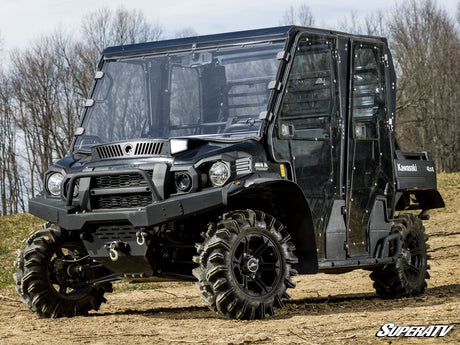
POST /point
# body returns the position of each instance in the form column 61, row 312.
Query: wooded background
column 43, row 88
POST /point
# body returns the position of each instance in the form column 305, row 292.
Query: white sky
column 23, row 21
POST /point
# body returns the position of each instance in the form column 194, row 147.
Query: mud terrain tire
column 43, row 281
column 405, row 278
column 245, row 265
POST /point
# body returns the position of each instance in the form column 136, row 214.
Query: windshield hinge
column 274, row 85
column 283, row 55
column 99, row 75
column 266, row 115
column 79, row 131
column 89, row 103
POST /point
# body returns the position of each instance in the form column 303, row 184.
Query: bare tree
column 44, row 89
column 351, row 23
column 301, row 15
column 458, row 13
column 96, row 29
column 36, row 76
column 103, row 28
column 46, row 103
column 374, row 24
column 131, row 26
column 426, row 46
column 43, row 92
column 11, row 182
column 186, row 32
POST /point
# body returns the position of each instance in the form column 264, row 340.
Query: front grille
column 122, row 200
column 120, row 181
column 115, row 232
column 128, row 190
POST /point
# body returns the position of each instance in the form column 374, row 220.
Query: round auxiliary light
column 54, row 183
column 183, row 182
column 219, row 173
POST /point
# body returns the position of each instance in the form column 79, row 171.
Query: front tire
column 48, row 280
column 245, row 265
column 407, row 277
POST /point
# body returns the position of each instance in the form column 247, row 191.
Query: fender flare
column 289, row 206
column 427, row 199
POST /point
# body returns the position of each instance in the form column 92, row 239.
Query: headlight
column 53, row 184
column 183, row 182
column 219, row 173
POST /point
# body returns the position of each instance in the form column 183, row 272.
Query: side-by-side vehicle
column 238, row 160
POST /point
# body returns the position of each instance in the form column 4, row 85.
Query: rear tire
column 407, row 277
column 43, row 279
column 245, row 265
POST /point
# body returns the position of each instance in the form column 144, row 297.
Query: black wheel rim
column 256, row 264
column 413, row 258
column 63, row 261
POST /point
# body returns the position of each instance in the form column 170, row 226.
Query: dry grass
column 13, row 230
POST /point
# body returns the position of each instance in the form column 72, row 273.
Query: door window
column 369, row 142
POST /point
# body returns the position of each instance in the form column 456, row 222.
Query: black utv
column 239, row 160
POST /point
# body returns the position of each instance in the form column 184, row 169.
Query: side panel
column 415, row 171
column 380, row 225
column 416, row 177
column 336, row 233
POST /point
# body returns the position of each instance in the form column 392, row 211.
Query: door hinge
column 337, row 56
column 384, row 59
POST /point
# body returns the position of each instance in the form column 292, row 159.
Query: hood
column 175, row 151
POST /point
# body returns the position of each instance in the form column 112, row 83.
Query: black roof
column 139, row 48
column 279, row 32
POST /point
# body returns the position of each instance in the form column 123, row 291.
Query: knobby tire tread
column 32, row 280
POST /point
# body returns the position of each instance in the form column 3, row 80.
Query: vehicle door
column 306, row 132
column 370, row 171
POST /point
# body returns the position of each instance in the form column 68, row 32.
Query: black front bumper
column 70, row 218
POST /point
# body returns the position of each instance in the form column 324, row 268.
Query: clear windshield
column 216, row 93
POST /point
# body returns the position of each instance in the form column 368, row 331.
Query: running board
column 366, row 262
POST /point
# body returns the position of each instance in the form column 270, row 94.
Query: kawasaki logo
column 410, row 168
column 390, row 330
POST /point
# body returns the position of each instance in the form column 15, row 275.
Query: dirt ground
column 324, row 309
